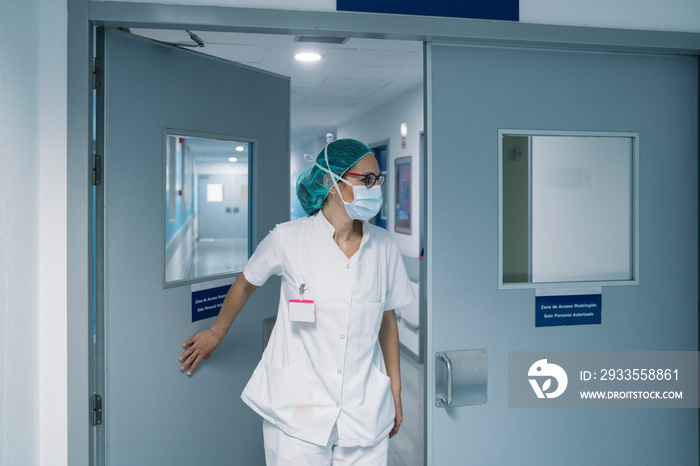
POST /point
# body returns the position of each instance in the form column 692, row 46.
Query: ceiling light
column 307, row 56
column 232, row 159
column 240, row 148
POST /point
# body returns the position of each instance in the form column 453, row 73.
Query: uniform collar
column 329, row 230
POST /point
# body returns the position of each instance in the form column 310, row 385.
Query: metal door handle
column 464, row 381
column 447, row 399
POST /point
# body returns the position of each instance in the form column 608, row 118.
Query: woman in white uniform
column 328, row 386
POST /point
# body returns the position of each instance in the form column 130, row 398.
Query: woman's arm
column 202, row 344
column 389, row 341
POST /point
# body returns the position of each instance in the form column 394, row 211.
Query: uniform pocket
column 370, row 322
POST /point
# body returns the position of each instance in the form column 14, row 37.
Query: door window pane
column 207, row 201
column 567, row 207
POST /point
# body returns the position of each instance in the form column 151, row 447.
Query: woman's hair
column 314, row 184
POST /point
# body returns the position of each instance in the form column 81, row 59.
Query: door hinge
column 96, row 410
column 96, row 169
column 96, row 73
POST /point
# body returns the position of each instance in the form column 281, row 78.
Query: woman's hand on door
column 197, row 348
column 202, row 344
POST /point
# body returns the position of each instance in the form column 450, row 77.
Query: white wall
column 53, row 380
column 664, row 15
column 32, row 232
column 19, row 232
column 657, row 15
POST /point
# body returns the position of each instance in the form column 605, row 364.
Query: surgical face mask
column 367, row 202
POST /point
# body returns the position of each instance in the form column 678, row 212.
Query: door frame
column 84, row 15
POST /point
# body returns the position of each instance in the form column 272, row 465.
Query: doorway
column 345, row 105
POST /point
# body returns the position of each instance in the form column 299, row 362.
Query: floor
column 406, row 448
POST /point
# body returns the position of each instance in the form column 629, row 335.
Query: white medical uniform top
column 313, row 375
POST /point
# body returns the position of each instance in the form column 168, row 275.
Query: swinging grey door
column 153, row 413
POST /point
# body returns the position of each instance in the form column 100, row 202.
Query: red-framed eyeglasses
column 370, row 179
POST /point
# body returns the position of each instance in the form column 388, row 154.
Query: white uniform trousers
column 283, row 450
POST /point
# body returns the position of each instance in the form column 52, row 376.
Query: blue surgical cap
column 342, row 154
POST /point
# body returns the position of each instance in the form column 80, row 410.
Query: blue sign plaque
column 568, row 309
column 207, row 298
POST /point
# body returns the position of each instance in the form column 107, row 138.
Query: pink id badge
column 302, row 310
